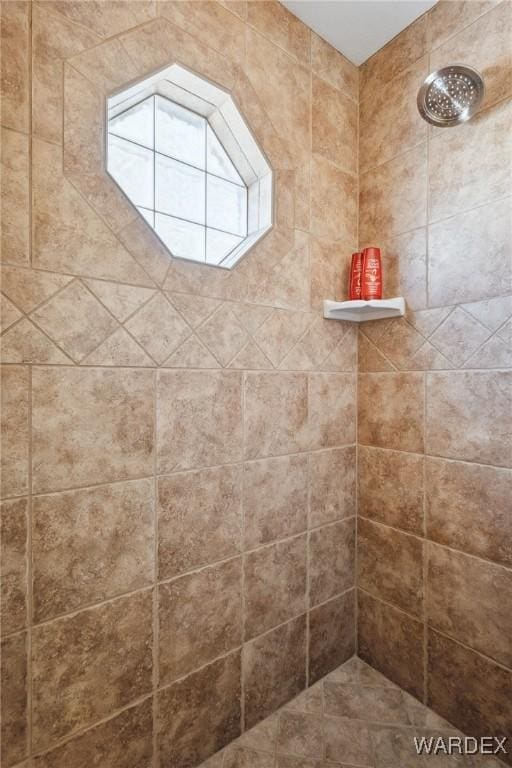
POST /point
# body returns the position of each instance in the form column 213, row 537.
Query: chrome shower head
column 450, row 95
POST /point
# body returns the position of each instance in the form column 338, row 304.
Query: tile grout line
column 243, row 561
column 417, row 620
column 156, row 614
column 30, row 564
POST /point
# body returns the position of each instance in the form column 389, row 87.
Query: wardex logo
column 460, row 745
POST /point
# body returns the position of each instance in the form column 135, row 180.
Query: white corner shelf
column 358, row 311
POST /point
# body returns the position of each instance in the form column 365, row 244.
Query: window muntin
column 172, row 166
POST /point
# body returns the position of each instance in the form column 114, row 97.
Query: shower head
column 450, row 95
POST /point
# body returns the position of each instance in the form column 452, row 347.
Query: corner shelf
column 358, row 311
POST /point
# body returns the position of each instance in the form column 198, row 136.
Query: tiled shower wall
column 435, row 389
column 179, row 442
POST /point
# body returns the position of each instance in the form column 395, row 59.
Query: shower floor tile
column 352, row 718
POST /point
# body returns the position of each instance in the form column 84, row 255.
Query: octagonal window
column 184, row 156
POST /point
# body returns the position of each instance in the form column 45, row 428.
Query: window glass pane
column 179, row 189
column 132, row 168
column 217, row 160
column 183, row 239
column 180, row 133
column 226, row 206
column 219, row 244
column 148, row 215
column 135, row 124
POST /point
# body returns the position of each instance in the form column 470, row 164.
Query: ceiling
column 358, row 28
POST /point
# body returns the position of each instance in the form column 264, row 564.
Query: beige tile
column 333, row 216
column 331, row 560
column 25, row 343
column 121, row 300
column 192, row 53
column 391, row 488
column 404, row 263
column 389, row 126
column 274, row 669
column 284, row 89
column 14, row 564
column 448, row 17
column 275, row 493
column 394, row 746
column 210, row 23
column 28, row 288
column 106, row 66
column 478, row 617
column 467, row 508
column 261, row 737
column 344, row 355
column 15, row 439
column 147, row 250
column 103, row 653
column 397, row 55
column 250, row 357
column 393, row 197
column 334, row 126
column 278, row 272
column 199, row 418
column 274, row 585
column 332, row 409
column 15, row 242
column 223, row 334
column 369, row 357
column 472, row 702
column 392, row 642
column 332, row 477
column 391, row 410
column 84, row 120
column 280, row 332
column 463, row 239
column 333, row 67
column 14, row 707
column 15, row 81
column 195, row 309
column 460, row 155
column 158, row 327
column 240, row 757
column 124, row 741
column 347, row 740
column 91, row 426
column 8, row 313
column 105, row 19
column 399, row 342
column 199, row 518
column 486, row 43
column 200, row 714
column 275, row 413
column 495, row 353
column 468, row 416
column 75, row 320
column 90, row 545
column 200, row 618
column 284, row 29
column 332, row 628
column 68, row 236
column 119, row 349
column 330, row 268
column 192, row 354
column 390, row 565
column 54, row 38
column 275, row 146
column 459, row 336
column 300, row 734
column 385, row 705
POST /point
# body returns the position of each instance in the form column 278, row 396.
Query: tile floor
column 352, row 718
